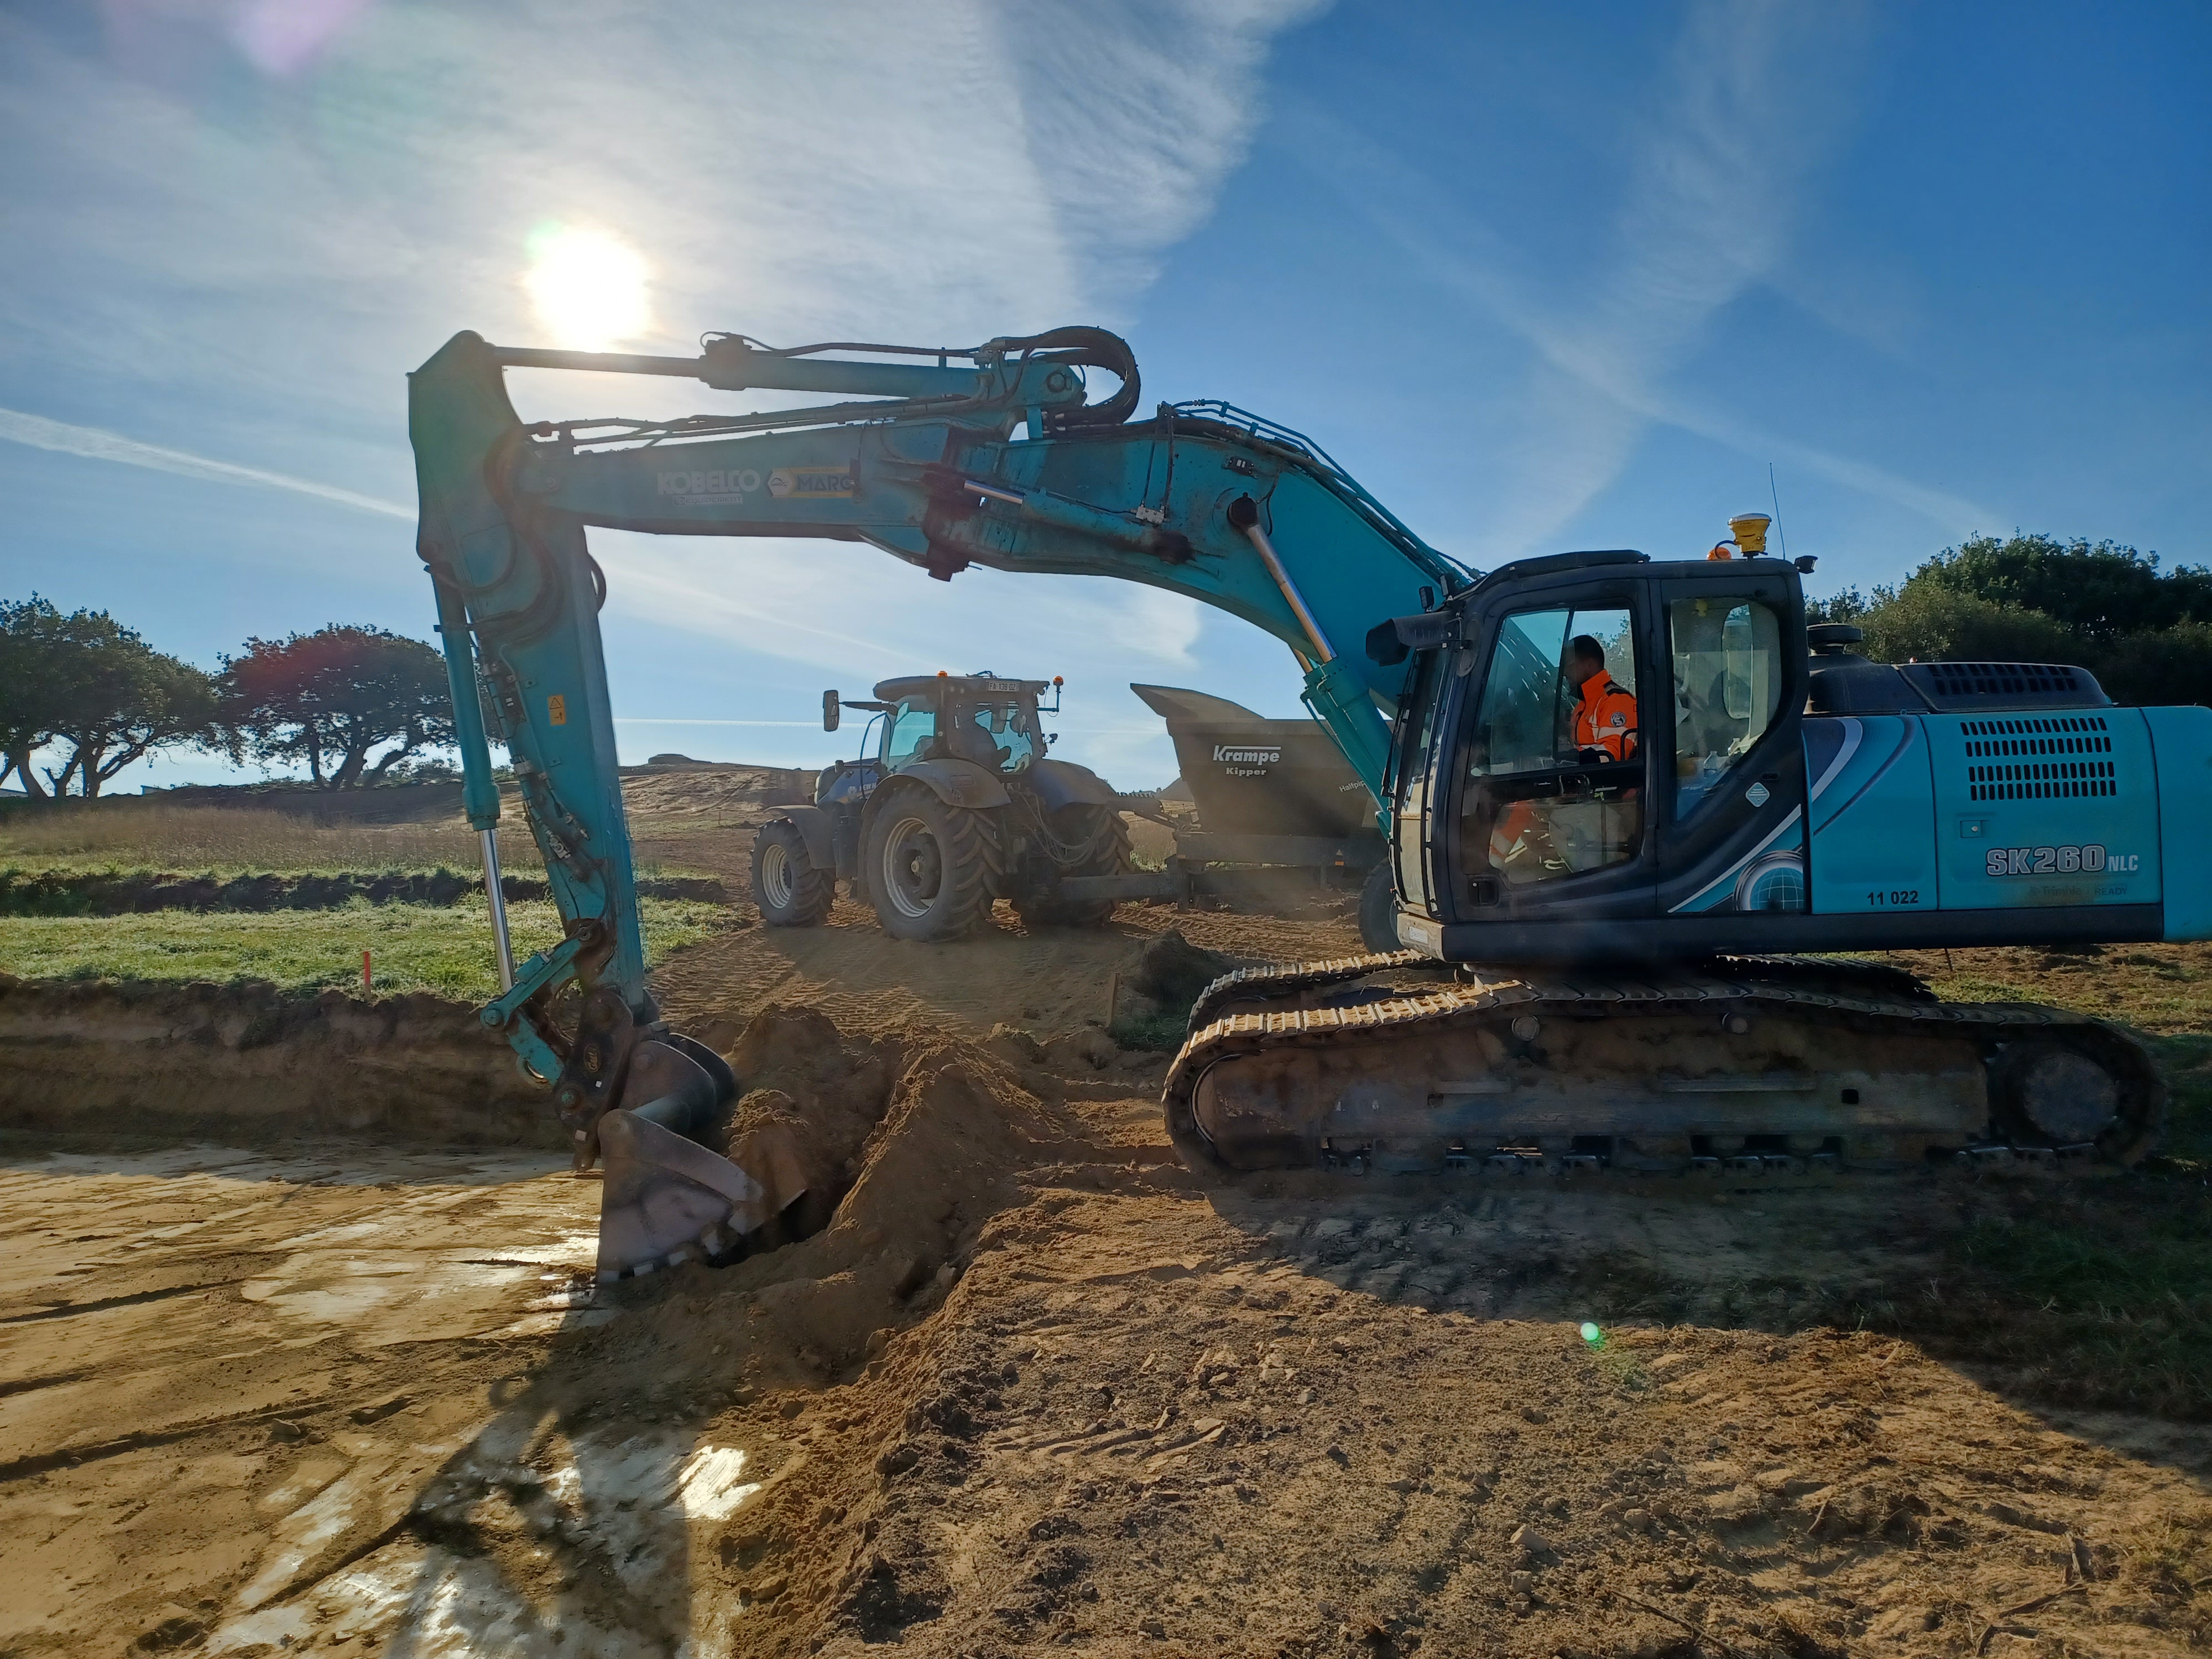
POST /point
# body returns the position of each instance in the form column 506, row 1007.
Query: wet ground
column 1035, row 1389
column 349, row 1399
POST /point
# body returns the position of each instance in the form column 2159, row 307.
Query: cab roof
column 963, row 685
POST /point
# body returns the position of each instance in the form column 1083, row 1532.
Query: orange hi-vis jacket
column 1605, row 718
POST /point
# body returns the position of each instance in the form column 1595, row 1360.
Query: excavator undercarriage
column 1397, row 1063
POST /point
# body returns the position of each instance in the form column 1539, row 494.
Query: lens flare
column 1592, row 1335
column 587, row 287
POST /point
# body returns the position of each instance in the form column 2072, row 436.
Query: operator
column 1605, row 715
column 1605, row 730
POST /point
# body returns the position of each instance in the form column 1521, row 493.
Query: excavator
column 1618, row 947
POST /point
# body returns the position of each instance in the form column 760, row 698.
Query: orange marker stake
column 364, row 973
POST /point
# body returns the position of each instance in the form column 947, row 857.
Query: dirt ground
column 1033, row 1389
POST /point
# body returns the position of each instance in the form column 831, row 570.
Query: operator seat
column 970, row 742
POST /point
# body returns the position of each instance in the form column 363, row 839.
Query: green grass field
column 413, row 947
column 2164, row 992
column 128, row 835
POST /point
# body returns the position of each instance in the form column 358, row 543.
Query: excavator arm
column 988, row 456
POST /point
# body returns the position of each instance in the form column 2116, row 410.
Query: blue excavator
column 1634, row 806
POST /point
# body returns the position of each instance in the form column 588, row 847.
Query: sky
column 1542, row 277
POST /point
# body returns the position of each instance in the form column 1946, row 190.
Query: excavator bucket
column 668, row 1198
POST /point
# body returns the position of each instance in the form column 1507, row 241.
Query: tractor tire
column 924, row 866
column 1378, row 909
column 1109, row 857
column 791, row 889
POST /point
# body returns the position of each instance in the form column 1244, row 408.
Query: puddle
column 552, row 1520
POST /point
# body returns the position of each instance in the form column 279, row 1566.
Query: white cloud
column 937, row 174
column 1748, row 103
column 91, row 443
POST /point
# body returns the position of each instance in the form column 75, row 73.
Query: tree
column 2145, row 634
column 1847, row 606
column 2160, row 666
column 331, row 697
column 2101, row 593
column 1928, row 623
column 86, row 680
column 35, row 641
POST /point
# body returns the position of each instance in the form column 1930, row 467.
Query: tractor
column 954, row 802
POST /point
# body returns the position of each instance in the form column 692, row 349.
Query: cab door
column 1732, row 836
column 1553, row 774
column 1419, row 778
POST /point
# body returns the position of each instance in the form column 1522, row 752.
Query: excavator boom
column 991, row 456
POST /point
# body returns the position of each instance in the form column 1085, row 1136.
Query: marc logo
column 833, row 484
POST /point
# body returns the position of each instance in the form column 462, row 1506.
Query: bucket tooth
column 662, row 1192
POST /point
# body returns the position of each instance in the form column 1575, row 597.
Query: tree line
column 356, row 706
column 363, row 706
column 2145, row 633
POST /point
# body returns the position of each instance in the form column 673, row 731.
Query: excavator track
column 1739, row 1065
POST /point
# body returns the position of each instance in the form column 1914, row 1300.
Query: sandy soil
column 1050, row 984
column 1032, row 1388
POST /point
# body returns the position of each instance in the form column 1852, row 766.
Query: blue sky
column 1542, row 277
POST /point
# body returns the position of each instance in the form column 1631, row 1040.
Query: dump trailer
column 1276, row 791
column 1278, row 809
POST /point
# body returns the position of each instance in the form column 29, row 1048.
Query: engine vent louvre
column 1972, row 687
column 2038, row 758
column 2005, row 679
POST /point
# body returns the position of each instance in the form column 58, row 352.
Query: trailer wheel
column 1378, row 909
column 791, row 889
column 1108, row 834
column 924, row 867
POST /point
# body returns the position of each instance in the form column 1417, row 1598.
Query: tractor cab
column 979, row 718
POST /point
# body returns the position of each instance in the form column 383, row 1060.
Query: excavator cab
column 1593, row 741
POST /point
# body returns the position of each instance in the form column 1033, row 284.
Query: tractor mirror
column 830, row 711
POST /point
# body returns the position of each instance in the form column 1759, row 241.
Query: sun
column 587, row 287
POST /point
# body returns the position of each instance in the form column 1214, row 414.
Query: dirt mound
column 248, row 1062
column 911, row 1142
column 1172, row 971
column 1031, row 1389
column 810, row 1091
column 704, row 788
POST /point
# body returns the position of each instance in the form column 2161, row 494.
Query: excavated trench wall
column 248, row 1060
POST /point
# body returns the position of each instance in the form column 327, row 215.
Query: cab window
column 1554, row 767
column 914, row 725
column 1728, row 687
column 1009, row 733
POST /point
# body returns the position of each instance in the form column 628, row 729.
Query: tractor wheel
column 1108, row 837
column 791, row 889
column 1378, row 909
column 924, row 867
